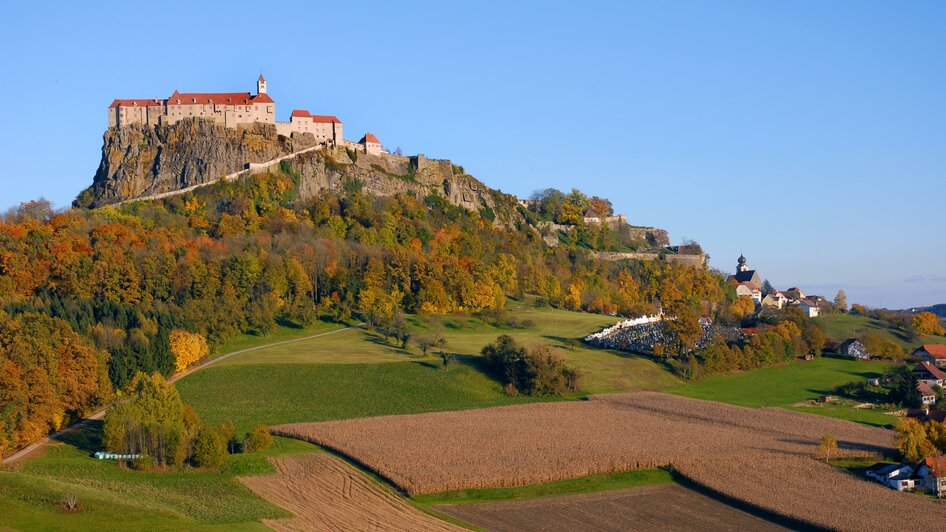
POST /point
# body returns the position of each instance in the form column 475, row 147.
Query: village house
column 933, row 473
column 809, row 307
column 934, row 353
column 775, row 300
column 926, row 372
column 794, row 293
column 927, row 395
column 854, row 348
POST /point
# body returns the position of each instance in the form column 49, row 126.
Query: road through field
column 39, row 444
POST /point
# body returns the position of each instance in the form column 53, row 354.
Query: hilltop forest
column 90, row 298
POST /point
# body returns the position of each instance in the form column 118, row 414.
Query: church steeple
column 261, row 85
column 742, row 267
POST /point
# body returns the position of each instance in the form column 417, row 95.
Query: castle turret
column 261, row 85
column 742, row 267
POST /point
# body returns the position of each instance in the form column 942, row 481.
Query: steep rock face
column 387, row 175
column 142, row 160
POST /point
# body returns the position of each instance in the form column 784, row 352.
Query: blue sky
column 809, row 135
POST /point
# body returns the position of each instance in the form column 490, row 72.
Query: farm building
column 934, row 353
column 895, row 476
column 933, row 473
column 926, row 372
column 854, row 348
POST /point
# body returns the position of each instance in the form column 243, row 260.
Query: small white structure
column 371, row 144
column 933, row 473
column 810, row 309
column 895, row 476
column 927, row 394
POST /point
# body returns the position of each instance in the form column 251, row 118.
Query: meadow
column 31, row 493
column 839, row 327
column 785, row 386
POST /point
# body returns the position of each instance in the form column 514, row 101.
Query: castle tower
column 742, row 267
column 261, row 85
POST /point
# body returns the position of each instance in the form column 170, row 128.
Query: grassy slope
column 840, row 327
column 786, row 385
column 114, row 498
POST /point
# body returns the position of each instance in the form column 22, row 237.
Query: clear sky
column 809, row 135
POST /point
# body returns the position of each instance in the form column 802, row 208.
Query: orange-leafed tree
column 187, row 348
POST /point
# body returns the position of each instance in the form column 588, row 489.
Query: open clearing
column 662, row 507
column 792, row 383
column 545, row 442
column 325, row 493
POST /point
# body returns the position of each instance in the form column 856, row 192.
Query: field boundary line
column 99, row 414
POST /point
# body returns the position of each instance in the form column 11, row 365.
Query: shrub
column 210, row 448
column 258, row 440
column 535, row 371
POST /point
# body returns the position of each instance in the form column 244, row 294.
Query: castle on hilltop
column 233, row 109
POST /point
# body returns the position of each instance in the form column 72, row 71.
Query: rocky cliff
column 142, row 160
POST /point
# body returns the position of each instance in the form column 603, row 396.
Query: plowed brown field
column 325, row 493
column 759, row 456
column 818, row 493
column 665, row 507
column 530, row 444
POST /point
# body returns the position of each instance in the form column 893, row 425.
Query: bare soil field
column 545, row 442
column 817, row 493
column 664, row 507
column 325, row 493
column 760, row 457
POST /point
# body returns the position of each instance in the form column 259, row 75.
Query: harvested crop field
column 817, row 493
column 325, row 493
column 545, row 442
column 664, row 507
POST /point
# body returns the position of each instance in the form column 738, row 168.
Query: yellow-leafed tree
column 927, row 323
column 187, row 348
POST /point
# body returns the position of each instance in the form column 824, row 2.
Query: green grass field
column 604, row 371
column 840, row 327
column 111, row 498
column 792, row 383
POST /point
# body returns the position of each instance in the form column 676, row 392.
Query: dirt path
column 325, row 493
column 39, row 444
column 663, row 507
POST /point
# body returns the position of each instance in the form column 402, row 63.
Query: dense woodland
column 90, row 298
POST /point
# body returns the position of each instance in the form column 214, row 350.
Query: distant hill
column 939, row 310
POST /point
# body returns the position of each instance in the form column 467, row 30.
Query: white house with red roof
column 934, row 353
column 928, row 373
column 371, row 144
column 325, row 128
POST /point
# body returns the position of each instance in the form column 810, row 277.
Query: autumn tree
column 927, row 323
column 187, row 348
column 742, row 306
column 683, row 326
column 912, row 440
column 827, row 446
column 840, row 301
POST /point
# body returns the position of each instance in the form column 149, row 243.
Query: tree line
column 154, row 286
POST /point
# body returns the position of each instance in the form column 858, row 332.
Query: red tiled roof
column 137, row 103
column 369, row 137
column 261, row 78
column 322, row 119
column 925, row 389
column 937, row 465
column 217, row 98
column 935, row 350
column 933, row 370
